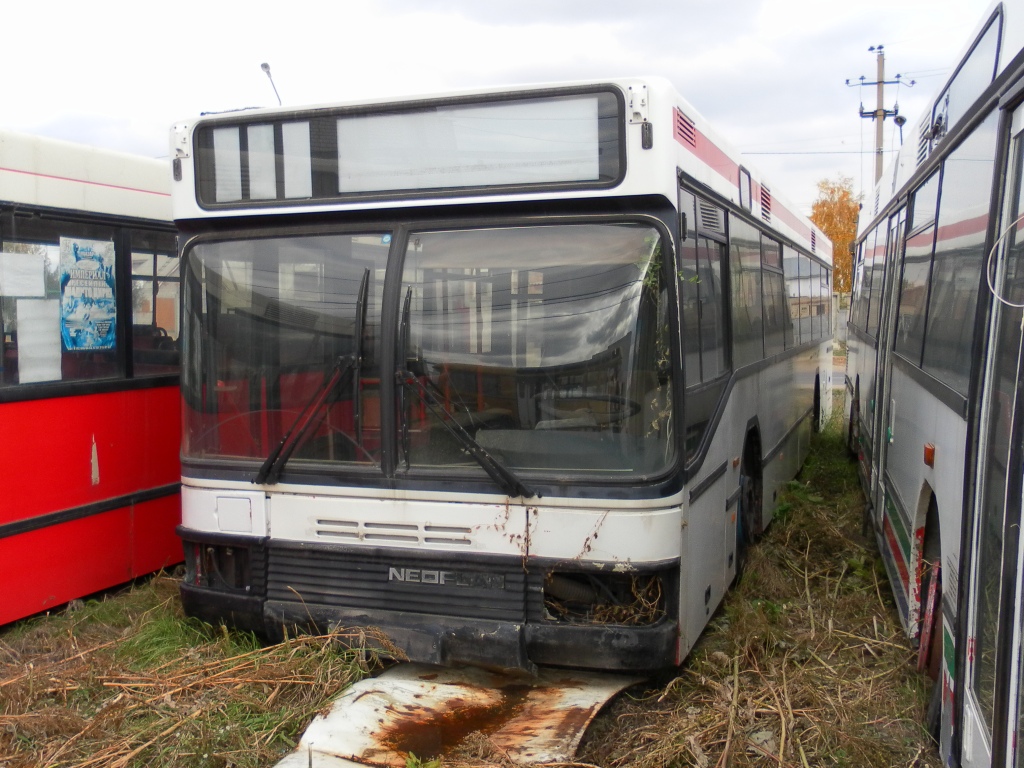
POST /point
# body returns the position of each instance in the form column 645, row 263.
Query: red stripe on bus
column 974, row 226
column 709, row 153
column 792, row 220
column 83, row 181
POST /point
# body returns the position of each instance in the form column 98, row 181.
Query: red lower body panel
column 90, row 494
column 45, row 568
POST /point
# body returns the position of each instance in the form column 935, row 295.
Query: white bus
column 918, row 338
column 511, row 376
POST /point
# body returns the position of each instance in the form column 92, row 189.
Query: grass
column 129, row 681
column 805, row 665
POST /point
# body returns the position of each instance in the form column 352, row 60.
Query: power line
column 880, row 113
column 823, row 152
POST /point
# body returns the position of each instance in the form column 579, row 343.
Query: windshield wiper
column 275, row 462
column 346, row 364
column 362, row 300
column 497, row 471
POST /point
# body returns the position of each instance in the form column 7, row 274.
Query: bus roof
column 67, row 176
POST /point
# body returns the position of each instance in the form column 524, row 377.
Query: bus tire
column 748, row 513
column 930, row 661
column 742, row 535
column 853, row 429
column 816, row 418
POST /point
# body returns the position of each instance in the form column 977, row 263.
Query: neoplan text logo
column 446, row 578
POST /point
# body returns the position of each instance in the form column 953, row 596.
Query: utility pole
column 879, row 113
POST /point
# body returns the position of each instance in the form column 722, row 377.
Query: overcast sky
column 768, row 74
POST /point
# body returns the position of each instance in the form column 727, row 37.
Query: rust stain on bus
column 430, row 712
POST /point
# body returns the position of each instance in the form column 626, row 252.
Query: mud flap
column 427, row 711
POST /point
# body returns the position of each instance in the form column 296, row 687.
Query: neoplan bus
column 922, row 351
column 90, row 425
column 512, row 376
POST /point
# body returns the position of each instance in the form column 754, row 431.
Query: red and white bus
column 89, row 402
column 512, row 376
column 929, row 396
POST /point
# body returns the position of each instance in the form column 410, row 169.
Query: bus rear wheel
column 930, row 660
column 931, row 642
column 816, row 419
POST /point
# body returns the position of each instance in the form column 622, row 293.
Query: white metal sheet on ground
column 427, row 711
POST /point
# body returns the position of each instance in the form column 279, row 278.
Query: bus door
column 880, row 413
column 992, row 676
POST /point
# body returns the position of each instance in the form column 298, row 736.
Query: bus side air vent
column 814, row 241
column 766, row 204
column 686, row 132
column 712, row 218
column 923, row 143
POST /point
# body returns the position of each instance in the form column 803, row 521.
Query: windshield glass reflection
column 548, row 344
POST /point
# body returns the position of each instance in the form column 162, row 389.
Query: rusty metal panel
column 425, row 710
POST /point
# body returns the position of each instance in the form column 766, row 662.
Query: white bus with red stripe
column 513, row 376
column 930, row 382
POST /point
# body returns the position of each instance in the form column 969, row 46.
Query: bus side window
column 773, row 298
column 791, row 276
column 917, row 259
column 745, row 276
column 155, row 290
column 957, row 265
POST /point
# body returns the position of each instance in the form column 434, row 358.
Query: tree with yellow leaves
column 836, row 212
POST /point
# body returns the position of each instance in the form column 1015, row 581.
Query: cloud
column 768, row 74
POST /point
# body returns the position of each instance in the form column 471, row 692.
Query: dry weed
column 146, row 686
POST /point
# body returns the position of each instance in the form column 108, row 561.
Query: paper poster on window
column 38, row 345
column 88, row 310
column 22, row 274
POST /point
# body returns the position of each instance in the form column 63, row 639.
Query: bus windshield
column 547, row 346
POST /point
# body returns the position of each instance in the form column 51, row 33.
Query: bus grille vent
column 376, row 533
column 686, row 132
column 814, row 241
column 379, row 578
column 766, row 204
